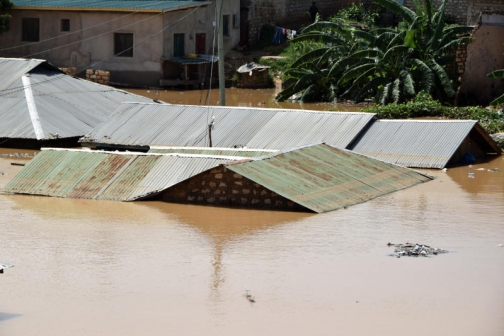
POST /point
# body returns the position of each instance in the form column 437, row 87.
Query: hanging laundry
column 278, row 37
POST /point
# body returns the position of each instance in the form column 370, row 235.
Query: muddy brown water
column 260, row 98
column 85, row 267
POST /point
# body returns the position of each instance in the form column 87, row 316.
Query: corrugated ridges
column 105, row 175
column 106, row 4
column 66, row 106
column 322, row 178
column 212, row 151
column 414, row 143
column 179, row 125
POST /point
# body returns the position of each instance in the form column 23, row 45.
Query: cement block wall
column 223, row 187
column 290, row 14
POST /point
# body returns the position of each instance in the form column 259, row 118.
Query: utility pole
column 220, row 51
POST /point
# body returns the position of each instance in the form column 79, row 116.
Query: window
column 30, row 30
column 225, row 25
column 65, row 25
column 123, row 45
column 178, row 45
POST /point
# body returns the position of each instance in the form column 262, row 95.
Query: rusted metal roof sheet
column 111, row 5
column 417, row 143
column 179, row 125
column 38, row 101
column 242, row 152
column 323, row 178
column 105, row 175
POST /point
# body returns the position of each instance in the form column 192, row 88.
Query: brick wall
column 455, row 10
column 223, row 187
column 98, row 76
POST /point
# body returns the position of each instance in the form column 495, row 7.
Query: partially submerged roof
column 320, row 177
column 106, row 175
column 420, row 143
column 241, row 152
column 38, row 101
column 108, row 5
column 323, row 178
column 182, row 125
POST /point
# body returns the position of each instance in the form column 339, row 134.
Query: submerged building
column 317, row 178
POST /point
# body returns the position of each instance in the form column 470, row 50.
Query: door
column 178, row 45
column 201, row 43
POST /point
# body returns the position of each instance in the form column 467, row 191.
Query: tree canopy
column 391, row 64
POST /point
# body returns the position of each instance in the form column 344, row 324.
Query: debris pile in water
column 414, row 250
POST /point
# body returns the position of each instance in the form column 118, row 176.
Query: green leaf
column 409, row 39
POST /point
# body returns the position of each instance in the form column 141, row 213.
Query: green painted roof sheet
column 323, row 178
column 319, row 177
column 105, row 175
column 137, row 5
column 213, row 151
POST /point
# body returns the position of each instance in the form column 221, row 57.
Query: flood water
column 260, row 98
column 86, row 267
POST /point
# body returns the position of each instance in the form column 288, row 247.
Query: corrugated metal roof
column 106, row 175
column 319, row 177
column 414, row 143
column 137, row 5
column 181, row 125
column 38, row 101
column 323, row 178
column 242, row 152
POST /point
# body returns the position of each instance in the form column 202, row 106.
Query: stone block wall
column 71, row 71
column 290, row 14
column 223, row 187
column 98, row 76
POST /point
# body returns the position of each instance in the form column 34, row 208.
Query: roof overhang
column 111, row 9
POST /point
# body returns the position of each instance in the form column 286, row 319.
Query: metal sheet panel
column 322, row 178
column 66, row 106
column 105, row 175
column 212, row 151
column 414, row 143
column 179, row 125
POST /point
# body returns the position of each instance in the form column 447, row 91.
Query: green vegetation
column 387, row 65
column 499, row 100
column 424, row 106
column 5, row 17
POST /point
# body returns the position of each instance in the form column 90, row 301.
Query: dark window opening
column 65, row 25
column 225, row 25
column 30, row 30
column 178, row 45
column 123, row 45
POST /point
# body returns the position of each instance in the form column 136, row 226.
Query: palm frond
column 396, row 90
column 426, row 75
column 496, row 74
column 442, row 76
column 370, row 88
column 309, row 57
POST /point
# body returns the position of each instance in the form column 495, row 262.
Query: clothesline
column 283, row 33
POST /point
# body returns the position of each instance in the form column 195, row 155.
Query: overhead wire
column 20, row 88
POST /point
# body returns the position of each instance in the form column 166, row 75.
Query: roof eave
column 93, row 9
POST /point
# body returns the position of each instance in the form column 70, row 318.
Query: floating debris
column 3, row 266
column 249, row 296
column 414, row 250
column 470, row 175
column 493, row 170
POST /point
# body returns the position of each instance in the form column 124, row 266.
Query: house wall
column 484, row 55
column 223, row 187
column 90, row 42
column 200, row 21
column 290, row 14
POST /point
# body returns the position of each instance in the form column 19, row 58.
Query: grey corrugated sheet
column 323, row 178
column 414, row 143
column 105, row 175
column 138, row 5
column 66, row 106
column 179, row 125
column 242, row 152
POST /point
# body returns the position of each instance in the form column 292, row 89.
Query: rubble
column 414, row 250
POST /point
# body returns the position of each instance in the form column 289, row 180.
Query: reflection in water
column 107, row 268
